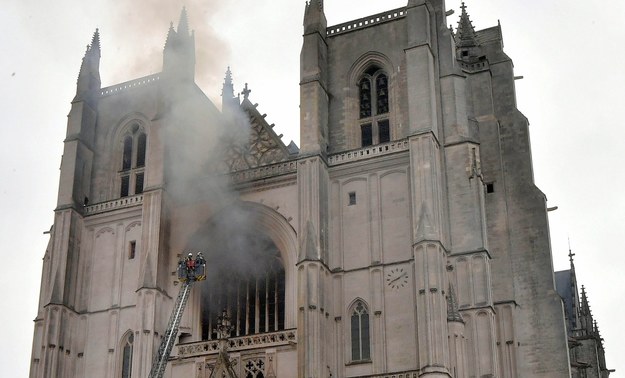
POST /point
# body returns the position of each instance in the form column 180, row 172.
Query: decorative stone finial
column 453, row 314
column 227, row 91
column 465, row 34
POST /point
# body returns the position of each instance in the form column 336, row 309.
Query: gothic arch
column 129, row 155
column 364, row 62
column 125, row 127
column 354, row 122
column 132, row 225
column 278, row 228
column 132, row 123
column 104, row 230
column 354, row 302
column 267, row 223
column 125, row 355
column 359, row 330
column 124, row 124
column 393, row 171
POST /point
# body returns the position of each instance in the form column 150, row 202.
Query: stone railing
column 368, row 152
column 403, row 374
column 129, row 84
column 477, row 66
column 366, row 22
column 264, row 340
column 264, row 171
column 120, row 203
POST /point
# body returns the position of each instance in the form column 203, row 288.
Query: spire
column 171, row 35
column 94, row 48
column 183, row 24
column 453, row 314
column 179, row 52
column 585, row 315
column 228, row 100
column 584, row 306
column 465, row 34
column 227, row 90
column 89, row 75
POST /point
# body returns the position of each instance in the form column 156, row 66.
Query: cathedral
column 403, row 237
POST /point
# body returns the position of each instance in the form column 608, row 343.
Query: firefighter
column 190, row 264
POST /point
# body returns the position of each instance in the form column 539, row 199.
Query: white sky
column 570, row 53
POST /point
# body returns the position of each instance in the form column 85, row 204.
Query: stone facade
column 410, row 238
column 585, row 342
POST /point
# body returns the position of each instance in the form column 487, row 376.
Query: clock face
column 396, row 278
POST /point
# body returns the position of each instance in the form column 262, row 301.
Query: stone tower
column 403, row 237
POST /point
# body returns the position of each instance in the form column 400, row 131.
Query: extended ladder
column 189, row 271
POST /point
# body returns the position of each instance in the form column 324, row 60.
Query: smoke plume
column 139, row 31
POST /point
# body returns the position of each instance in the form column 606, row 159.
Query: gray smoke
column 140, row 30
column 206, row 213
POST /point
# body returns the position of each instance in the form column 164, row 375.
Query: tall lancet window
column 374, row 107
column 132, row 173
column 361, row 349
column 247, row 280
column 126, row 355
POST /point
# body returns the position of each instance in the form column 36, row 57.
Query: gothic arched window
column 132, row 173
column 126, row 363
column 248, row 283
column 374, row 107
column 361, row 343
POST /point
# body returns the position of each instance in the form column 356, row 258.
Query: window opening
column 254, row 368
column 352, row 198
column 125, row 186
column 127, row 357
column 490, row 187
column 127, row 157
column 360, row 332
column 382, row 94
column 133, row 162
column 141, row 145
column 252, row 293
column 366, row 135
column 132, row 248
column 384, row 131
column 365, row 98
column 139, row 183
column 374, row 107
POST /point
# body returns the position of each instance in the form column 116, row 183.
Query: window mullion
column 360, row 337
column 247, row 308
column 256, row 308
column 266, row 309
column 276, row 305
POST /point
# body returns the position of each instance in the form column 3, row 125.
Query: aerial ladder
column 190, row 270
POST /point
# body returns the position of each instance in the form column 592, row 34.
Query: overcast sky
column 570, row 53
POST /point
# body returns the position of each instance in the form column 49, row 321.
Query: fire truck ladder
column 188, row 278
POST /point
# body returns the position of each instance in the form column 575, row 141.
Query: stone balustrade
column 271, row 170
column 404, row 374
column 259, row 341
column 368, row 152
column 119, row 203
